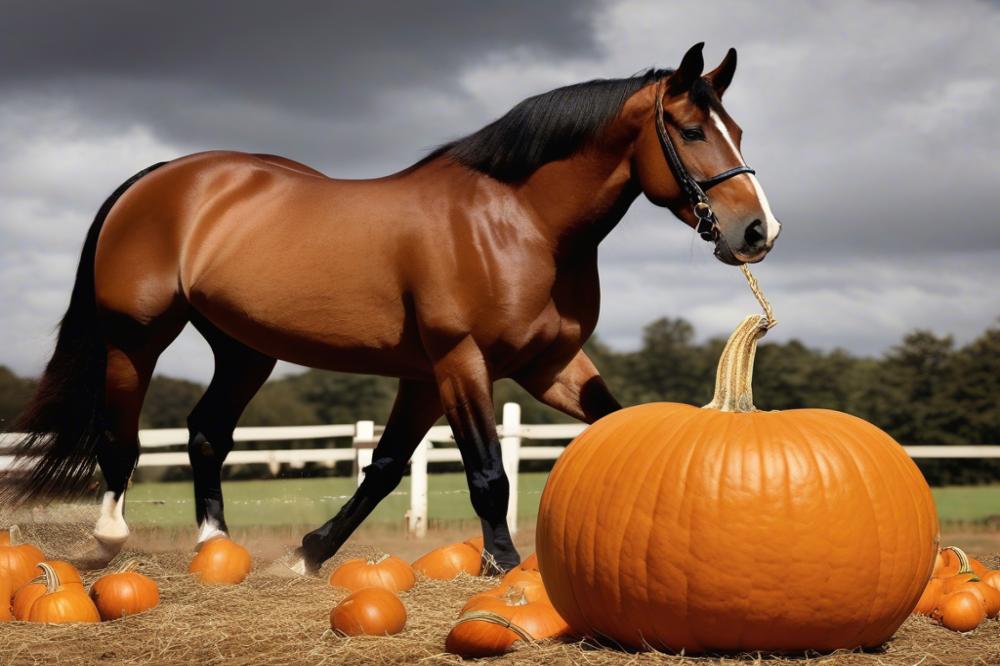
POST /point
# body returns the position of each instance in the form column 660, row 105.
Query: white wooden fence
column 364, row 435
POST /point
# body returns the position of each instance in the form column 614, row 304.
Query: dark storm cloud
column 258, row 75
column 872, row 125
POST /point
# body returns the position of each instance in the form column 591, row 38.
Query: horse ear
column 722, row 76
column 690, row 70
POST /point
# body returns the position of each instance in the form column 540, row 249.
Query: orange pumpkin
column 476, row 543
column 18, row 561
column 446, row 562
column 25, row 598
column 387, row 571
column 373, row 611
column 126, row 592
column 62, row 604
column 991, row 578
column 960, row 611
column 655, row 517
column 221, row 561
column 531, row 587
column 929, row 599
column 489, row 625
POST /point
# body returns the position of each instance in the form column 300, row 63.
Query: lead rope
column 769, row 319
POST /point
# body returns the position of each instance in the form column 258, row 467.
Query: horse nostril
column 754, row 235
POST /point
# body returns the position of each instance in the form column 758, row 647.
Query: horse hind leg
column 132, row 352
column 239, row 373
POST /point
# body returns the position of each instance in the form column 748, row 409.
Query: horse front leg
column 576, row 389
column 415, row 410
column 466, row 390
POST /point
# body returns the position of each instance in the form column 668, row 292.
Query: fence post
column 417, row 516
column 510, row 446
column 364, row 434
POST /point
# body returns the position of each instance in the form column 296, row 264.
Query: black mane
column 544, row 128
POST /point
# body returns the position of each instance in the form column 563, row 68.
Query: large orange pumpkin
column 731, row 529
column 387, row 571
column 18, row 561
column 221, row 561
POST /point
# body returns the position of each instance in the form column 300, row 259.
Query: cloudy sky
column 873, row 127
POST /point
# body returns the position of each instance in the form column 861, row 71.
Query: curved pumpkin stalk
column 495, row 618
column 52, row 582
column 734, row 377
column 964, row 566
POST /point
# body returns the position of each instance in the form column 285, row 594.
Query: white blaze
column 771, row 224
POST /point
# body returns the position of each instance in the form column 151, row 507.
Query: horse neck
column 580, row 199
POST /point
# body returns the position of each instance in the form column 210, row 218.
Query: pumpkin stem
column 52, row 582
column 131, row 564
column 514, row 596
column 10, row 536
column 964, row 567
column 495, row 618
column 378, row 559
column 734, row 377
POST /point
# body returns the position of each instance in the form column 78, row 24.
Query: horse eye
column 692, row 134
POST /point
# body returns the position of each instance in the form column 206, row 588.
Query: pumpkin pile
column 729, row 529
column 518, row 609
column 33, row 589
column 961, row 593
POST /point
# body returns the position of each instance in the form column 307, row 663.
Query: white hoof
column 290, row 566
column 100, row 554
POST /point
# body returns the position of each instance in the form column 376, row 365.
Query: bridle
column 694, row 190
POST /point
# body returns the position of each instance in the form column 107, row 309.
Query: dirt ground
column 274, row 620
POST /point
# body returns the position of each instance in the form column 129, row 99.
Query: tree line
column 924, row 390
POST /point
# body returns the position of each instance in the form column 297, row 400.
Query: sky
column 872, row 125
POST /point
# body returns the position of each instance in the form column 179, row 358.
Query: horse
column 479, row 262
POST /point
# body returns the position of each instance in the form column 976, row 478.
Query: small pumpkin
column 62, row 604
column 18, row 561
column 960, row 611
column 386, row 571
column 446, row 562
column 126, row 592
column 991, row 578
column 372, row 611
column 489, row 626
column 25, row 598
column 929, row 599
column 221, row 561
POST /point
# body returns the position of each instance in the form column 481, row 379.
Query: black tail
column 64, row 422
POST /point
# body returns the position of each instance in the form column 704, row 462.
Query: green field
column 312, row 501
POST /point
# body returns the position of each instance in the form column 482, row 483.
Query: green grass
column 967, row 503
column 312, row 501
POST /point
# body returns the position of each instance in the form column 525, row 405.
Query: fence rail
column 364, row 436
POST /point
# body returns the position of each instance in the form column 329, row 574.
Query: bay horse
column 477, row 263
